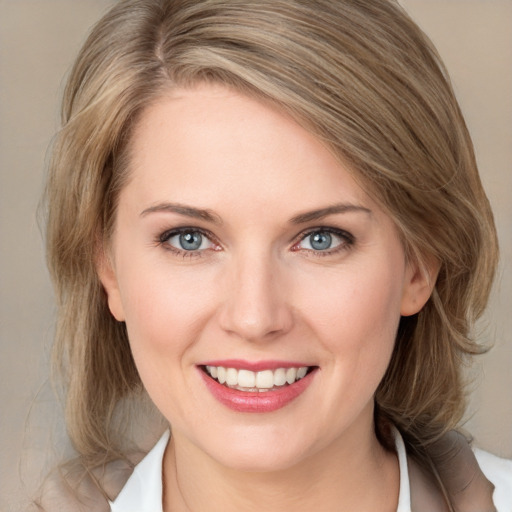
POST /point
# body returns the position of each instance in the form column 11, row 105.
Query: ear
column 420, row 280
column 108, row 278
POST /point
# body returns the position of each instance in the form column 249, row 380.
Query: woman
column 267, row 216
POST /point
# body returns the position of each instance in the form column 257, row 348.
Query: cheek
column 165, row 315
column 165, row 309
column 364, row 298
column 356, row 319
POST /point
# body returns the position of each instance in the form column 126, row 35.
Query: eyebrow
column 209, row 216
column 302, row 218
column 187, row 211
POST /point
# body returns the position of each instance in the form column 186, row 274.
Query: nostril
column 256, row 307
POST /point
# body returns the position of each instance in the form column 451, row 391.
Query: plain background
column 38, row 41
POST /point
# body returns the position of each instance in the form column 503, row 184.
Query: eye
column 324, row 240
column 319, row 241
column 187, row 240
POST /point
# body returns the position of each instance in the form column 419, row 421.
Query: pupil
column 321, row 241
column 191, row 241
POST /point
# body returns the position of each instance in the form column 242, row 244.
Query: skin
column 257, row 290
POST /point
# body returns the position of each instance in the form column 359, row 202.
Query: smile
column 261, row 390
column 256, row 382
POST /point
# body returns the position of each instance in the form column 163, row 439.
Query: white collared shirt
column 143, row 490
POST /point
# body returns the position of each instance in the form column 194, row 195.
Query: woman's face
column 244, row 250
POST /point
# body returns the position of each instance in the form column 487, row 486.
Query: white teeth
column 301, row 372
column 246, row 379
column 291, row 375
column 221, row 374
column 231, row 377
column 280, row 377
column 264, row 380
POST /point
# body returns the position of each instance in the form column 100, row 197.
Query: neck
column 352, row 473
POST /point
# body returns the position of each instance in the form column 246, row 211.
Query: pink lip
column 267, row 401
column 255, row 366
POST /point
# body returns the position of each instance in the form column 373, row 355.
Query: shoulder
column 133, row 484
column 499, row 472
column 474, row 480
column 75, row 489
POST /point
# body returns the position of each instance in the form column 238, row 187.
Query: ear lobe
column 108, row 278
column 419, row 283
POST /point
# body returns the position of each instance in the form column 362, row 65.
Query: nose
column 257, row 307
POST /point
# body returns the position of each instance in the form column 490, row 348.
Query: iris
column 191, row 241
column 320, row 241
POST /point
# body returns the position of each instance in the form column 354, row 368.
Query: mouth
column 260, row 391
column 256, row 382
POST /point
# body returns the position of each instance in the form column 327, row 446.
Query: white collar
column 404, row 496
column 143, row 490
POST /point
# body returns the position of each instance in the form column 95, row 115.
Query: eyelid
column 164, row 237
column 348, row 239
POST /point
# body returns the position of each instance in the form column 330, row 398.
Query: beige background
column 38, row 39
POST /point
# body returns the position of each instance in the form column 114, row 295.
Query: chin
column 252, row 453
column 262, row 462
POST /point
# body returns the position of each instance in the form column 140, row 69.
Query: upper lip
column 254, row 366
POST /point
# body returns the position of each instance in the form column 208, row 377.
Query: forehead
column 207, row 141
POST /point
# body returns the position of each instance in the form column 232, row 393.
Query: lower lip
column 266, row 401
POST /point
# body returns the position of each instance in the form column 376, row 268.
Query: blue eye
column 320, row 241
column 188, row 240
column 325, row 240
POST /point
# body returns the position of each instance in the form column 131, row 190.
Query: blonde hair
column 365, row 80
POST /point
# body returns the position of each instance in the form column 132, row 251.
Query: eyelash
column 347, row 241
column 167, row 235
column 347, row 238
